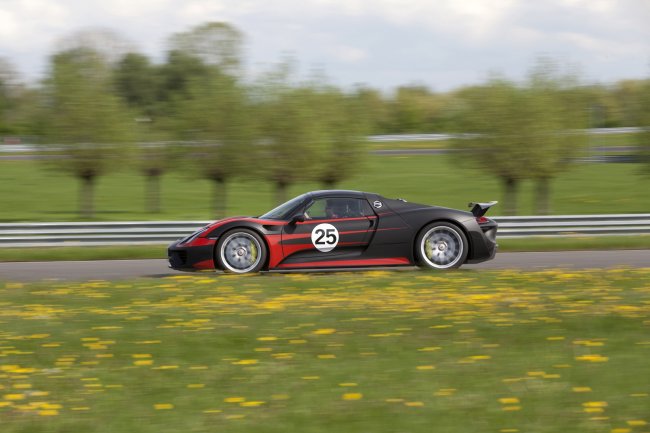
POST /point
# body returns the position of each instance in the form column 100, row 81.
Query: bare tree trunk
column 219, row 197
column 510, row 196
column 543, row 196
column 280, row 192
column 153, row 192
column 86, row 196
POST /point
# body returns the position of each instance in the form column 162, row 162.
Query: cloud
column 383, row 42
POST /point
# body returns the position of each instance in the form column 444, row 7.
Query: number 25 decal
column 324, row 237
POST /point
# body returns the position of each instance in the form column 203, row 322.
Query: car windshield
column 282, row 210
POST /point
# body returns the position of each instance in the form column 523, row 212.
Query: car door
column 333, row 228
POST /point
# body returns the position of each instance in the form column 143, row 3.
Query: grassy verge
column 28, row 192
column 44, row 254
column 374, row 352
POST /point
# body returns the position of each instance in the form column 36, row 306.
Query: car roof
column 337, row 193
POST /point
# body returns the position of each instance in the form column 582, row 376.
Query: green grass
column 48, row 254
column 377, row 352
column 29, row 254
column 28, row 192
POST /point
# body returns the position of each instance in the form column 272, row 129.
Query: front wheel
column 241, row 251
column 441, row 246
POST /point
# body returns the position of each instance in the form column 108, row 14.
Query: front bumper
column 190, row 257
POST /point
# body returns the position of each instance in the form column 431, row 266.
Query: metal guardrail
column 95, row 234
column 157, row 232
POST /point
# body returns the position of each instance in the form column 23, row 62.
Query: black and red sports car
column 337, row 229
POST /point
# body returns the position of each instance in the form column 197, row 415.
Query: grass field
column 550, row 351
column 28, row 192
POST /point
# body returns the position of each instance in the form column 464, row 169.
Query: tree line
column 103, row 105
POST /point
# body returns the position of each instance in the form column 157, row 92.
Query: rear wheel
column 441, row 246
column 241, row 251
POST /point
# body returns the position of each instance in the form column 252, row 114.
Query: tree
column 216, row 44
column 107, row 44
column 86, row 120
column 293, row 137
column 643, row 120
column 156, row 155
column 8, row 96
column 556, row 117
column 493, row 120
column 213, row 114
column 138, row 82
column 345, row 127
column 373, row 107
column 215, row 120
column 523, row 132
column 416, row 109
column 177, row 75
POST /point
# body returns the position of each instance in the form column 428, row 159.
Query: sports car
column 340, row 229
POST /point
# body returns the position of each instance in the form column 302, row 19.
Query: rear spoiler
column 479, row 209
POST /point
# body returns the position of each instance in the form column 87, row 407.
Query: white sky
column 382, row 43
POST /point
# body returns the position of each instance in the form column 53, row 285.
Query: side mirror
column 297, row 219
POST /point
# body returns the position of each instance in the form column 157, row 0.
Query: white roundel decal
column 325, row 237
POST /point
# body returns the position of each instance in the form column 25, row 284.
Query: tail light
column 482, row 220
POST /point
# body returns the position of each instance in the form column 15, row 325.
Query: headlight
column 193, row 236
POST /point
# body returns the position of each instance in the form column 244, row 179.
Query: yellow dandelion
column 324, row 331
column 352, row 396
column 509, row 400
column 425, row 367
column 245, row 362
column 593, row 410
column 636, row 423
column 234, row 399
column 592, row 358
column 595, row 404
column 252, row 403
column 581, row 389
column 163, row 406
column 49, row 412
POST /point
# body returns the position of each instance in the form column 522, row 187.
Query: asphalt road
column 157, row 268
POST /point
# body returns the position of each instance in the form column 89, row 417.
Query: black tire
column 441, row 245
column 240, row 251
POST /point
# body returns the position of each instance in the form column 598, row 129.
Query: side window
column 316, row 211
column 366, row 209
column 332, row 208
